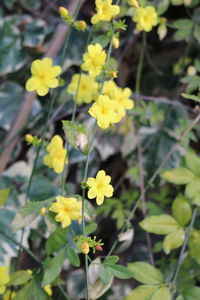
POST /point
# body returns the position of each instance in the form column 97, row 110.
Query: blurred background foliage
column 26, row 28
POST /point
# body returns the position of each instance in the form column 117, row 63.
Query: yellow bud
column 48, row 289
column 85, row 248
column 29, row 138
column 64, row 13
column 43, row 211
column 81, row 25
column 134, row 3
column 191, row 71
column 113, row 74
column 29, row 271
column 115, row 42
column 187, row 2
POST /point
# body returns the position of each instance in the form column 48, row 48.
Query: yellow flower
column 146, row 18
column 94, row 59
column 55, row 158
column 105, row 11
column 99, row 187
column 85, row 248
column 64, row 13
column 43, row 76
column 119, row 96
column 80, row 25
column 48, row 289
column 104, row 110
column 67, row 209
column 4, row 278
column 122, row 101
column 7, row 294
column 87, row 89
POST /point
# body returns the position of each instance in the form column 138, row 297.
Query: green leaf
column 90, row 212
column 192, row 293
column 105, row 274
column 28, row 213
column 183, row 24
column 56, row 240
column 4, row 194
column 111, row 260
column 191, row 97
column 73, row 257
column 141, row 292
column 194, row 245
column 31, row 4
column 90, row 228
column 173, row 240
column 120, row 272
column 53, row 268
column 163, row 224
column 145, row 273
column 162, row 6
column 196, row 200
column 193, row 188
column 193, row 162
column 102, row 39
column 178, row 175
column 163, row 293
column 19, row 277
column 181, row 210
column 24, row 293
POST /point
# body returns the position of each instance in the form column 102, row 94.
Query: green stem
column 183, row 248
column 140, row 66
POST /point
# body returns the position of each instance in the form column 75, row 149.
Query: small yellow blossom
column 105, row 11
column 7, row 295
column 146, row 18
column 48, row 289
column 4, row 278
column 80, row 25
column 56, row 155
column 110, row 89
column 85, row 248
column 104, row 110
column 99, row 187
column 123, row 101
column 29, row 138
column 67, row 209
column 88, row 87
column 43, row 76
column 94, row 59
column 43, row 211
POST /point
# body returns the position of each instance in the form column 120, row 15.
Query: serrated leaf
column 90, row 228
column 120, row 272
column 191, row 97
column 141, row 292
column 19, row 277
column 163, row 293
column 53, row 268
column 4, row 194
column 178, row 176
column 56, row 240
column 162, row 224
column 173, row 240
column 73, row 257
column 28, row 213
column 145, row 273
column 181, row 210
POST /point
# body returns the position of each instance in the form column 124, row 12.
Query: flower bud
column 115, row 42
column 191, row 71
column 43, row 211
column 29, row 138
column 134, row 3
column 98, row 248
column 85, row 248
column 64, row 13
column 81, row 25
